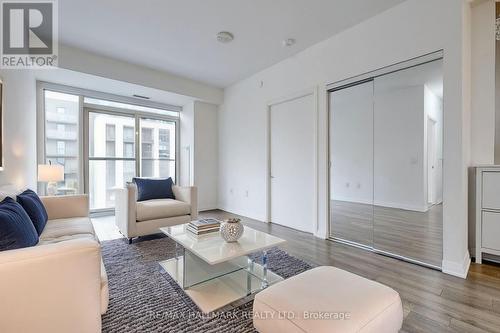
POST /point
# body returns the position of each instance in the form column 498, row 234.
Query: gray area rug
column 143, row 298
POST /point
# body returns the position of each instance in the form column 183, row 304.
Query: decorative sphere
column 231, row 230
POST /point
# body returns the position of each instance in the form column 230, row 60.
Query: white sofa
column 140, row 218
column 59, row 285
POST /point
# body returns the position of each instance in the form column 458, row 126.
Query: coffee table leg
column 176, row 252
column 265, row 284
column 250, row 266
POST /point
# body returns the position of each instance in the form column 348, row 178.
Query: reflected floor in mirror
column 411, row 234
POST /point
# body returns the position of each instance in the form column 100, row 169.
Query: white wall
column 351, row 144
column 389, row 167
column 434, row 109
column 187, row 145
column 483, row 84
column 206, row 160
column 19, row 128
column 199, row 151
column 393, row 36
column 399, row 162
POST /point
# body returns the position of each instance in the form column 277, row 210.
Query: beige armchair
column 139, row 218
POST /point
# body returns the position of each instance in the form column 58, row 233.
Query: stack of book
column 204, row 226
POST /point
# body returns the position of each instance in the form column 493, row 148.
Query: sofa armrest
column 66, row 206
column 125, row 210
column 189, row 195
column 51, row 288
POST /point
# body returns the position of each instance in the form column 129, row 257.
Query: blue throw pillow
column 34, row 207
column 148, row 188
column 16, row 229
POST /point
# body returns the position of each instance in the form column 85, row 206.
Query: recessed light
column 288, row 42
column 225, row 37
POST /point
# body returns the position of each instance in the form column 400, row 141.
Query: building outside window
column 164, row 143
column 61, row 137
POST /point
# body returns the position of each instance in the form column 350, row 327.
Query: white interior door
column 292, row 163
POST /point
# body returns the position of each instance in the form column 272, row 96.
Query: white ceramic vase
column 231, row 230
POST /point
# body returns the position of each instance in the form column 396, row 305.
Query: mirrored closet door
column 386, row 163
column 351, row 164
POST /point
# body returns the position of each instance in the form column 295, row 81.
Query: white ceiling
column 178, row 36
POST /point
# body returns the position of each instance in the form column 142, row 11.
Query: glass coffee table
column 214, row 273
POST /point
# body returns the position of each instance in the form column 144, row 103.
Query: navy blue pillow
column 16, row 229
column 34, row 207
column 148, row 188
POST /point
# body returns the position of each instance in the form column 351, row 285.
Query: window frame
column 83, row 153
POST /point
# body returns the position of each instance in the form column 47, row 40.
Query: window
column 61, row 138
column 114, row 150
column 110, row 140
column 128, row 134
column 128, row 141
column 128, row 149
column 157, row 148
column 164, row 143
column 109, row 165
column 61, row 148
column 147, row 150
column 110, row 132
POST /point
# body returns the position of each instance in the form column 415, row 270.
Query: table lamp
column 51, row 174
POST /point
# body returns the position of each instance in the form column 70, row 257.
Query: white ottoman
column 327, row 299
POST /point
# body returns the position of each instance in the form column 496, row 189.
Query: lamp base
column 51, row 188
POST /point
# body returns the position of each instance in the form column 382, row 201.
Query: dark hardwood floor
column 432, row 301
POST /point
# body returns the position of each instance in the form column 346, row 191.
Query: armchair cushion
column 16, row 229
column 148, row 188
column 161, row 208
column 35, row 209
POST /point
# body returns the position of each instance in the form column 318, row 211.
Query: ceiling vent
column 140, row 96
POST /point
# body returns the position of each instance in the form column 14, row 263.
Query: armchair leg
column 130, row 241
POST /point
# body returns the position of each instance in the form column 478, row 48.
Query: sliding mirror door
column 408, row 163
column 386, row 163
column 351, row 164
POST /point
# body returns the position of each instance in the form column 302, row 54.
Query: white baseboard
column 403, row 206
column 459, row 269
column 241, row 212
column 202, row 209
column 347, row 199
column 396, row 205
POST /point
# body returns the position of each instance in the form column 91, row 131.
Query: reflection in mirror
column 408, row 163
column 351, row 170
column 386, row 170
